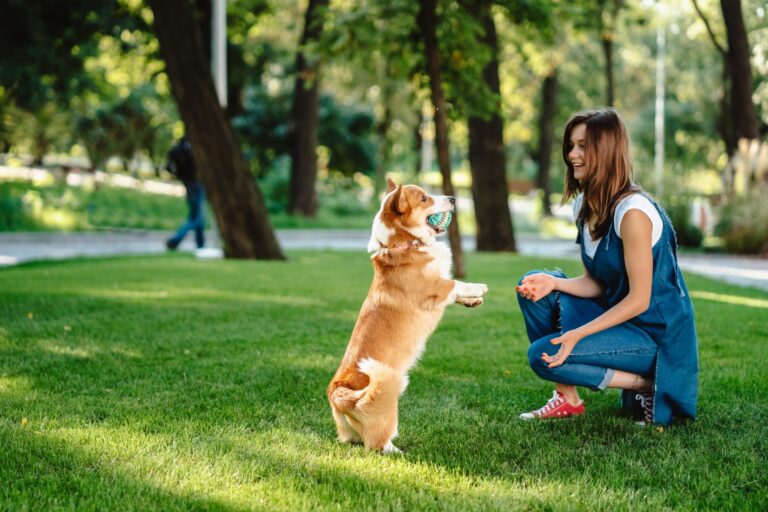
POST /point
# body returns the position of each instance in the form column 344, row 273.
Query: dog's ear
column 390, row 185
column 394, row 200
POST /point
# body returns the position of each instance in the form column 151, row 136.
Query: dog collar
column 407, row 245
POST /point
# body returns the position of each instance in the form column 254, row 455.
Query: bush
column 679, row 210
column 744, row 224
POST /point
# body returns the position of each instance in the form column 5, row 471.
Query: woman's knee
column 537, row 349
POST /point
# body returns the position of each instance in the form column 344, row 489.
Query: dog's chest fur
column 441, row 259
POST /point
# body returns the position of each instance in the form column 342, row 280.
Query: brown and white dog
column 410, row 290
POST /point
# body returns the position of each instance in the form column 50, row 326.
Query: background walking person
column 182, row 165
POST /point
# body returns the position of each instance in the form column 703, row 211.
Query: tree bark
column 607, row 42
column 236, row 199
column 743, row 117
column 546, row 138
column 427, row 21
column 487, row 158
column 303, row 196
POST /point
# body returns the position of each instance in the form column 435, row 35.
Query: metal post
column 219, row 49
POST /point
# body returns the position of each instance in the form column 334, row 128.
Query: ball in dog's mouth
column 440, row 221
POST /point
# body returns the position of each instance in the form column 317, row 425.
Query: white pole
column 219, row 49
column 219, row 73
column 658, row 160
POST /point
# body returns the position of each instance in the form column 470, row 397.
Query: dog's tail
column 384, row 387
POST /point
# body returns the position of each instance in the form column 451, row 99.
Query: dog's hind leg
column 346, row 434
column 379, row 433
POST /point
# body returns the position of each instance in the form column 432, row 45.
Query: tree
column 743, row 118
column 546, row 138
column 738, row 119
column 236, row 200
column 427, row 21
column 487, row 152
column 303, row 199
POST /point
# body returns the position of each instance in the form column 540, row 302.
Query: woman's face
column 576, row 155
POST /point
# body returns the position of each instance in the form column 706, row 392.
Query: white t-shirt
column 631, row 202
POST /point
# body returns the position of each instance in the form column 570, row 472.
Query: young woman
column 627, row 322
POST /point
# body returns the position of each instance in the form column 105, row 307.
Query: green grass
column 173, row 383
column 56, row 207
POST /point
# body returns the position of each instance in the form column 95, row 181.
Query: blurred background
column 297, row 111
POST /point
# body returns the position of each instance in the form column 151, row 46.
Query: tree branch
column 719, row 47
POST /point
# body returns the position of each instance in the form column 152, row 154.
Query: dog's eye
column 423, row 198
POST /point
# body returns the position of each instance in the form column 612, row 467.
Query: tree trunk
column 607, row 42
column 487, row 156
column 743, row 117
column 303, row 196
column 546, row 138
column 427, row 20
column 236, row 199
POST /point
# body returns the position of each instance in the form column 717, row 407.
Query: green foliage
column 264, row 128
column 170, row 383
column 744, row 224
column 24, row 207
column 678, row 207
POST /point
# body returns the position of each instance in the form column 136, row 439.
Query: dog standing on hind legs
column 411, row 288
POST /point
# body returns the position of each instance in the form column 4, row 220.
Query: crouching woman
column 628, row 321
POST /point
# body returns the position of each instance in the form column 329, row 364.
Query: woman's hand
column 567, row 341
column 536, row 286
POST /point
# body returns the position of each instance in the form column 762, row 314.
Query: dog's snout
column 452, row 199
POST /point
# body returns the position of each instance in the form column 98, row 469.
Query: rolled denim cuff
column 609, row 372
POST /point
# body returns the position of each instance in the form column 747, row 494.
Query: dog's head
column 404, row 214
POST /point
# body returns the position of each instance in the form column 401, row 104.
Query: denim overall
column 661, row 342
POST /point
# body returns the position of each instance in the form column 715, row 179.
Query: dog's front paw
column 475, row 290
column 470, row 302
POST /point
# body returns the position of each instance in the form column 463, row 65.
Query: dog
column 411, row 287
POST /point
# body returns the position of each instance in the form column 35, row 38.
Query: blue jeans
column 595, row 358
column 195, row 218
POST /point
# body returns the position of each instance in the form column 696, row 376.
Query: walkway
column 17, row 248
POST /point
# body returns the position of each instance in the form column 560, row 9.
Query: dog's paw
column 475, row 289
column 470, row 302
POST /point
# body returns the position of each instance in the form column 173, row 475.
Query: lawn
column 166, row 382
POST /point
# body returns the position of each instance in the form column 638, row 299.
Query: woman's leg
column 541, row 317
column 622, row 356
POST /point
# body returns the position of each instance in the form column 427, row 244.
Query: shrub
column 678, row 208
column 744, row 224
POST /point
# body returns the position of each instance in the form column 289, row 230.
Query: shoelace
column 646, row 402
column 555, row 401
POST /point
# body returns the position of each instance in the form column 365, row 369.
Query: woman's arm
column 536, row 286
column 636, row 231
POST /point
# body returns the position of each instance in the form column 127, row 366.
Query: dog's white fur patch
column 379, row 235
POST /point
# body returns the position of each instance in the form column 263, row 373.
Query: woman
column 628, row 322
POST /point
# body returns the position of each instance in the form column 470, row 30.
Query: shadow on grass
column 149, row 392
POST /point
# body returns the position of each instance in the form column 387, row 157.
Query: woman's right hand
column 536, row 286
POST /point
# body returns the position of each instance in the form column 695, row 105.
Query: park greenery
column 170, row 383
column 86, row 85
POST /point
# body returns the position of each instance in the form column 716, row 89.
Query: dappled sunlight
column 67, row 350
column 197, row 294
column 14, row 385
column 283, row 468
column 730, row 299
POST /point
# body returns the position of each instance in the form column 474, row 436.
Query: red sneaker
column 557, row 407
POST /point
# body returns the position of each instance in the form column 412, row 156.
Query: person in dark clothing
column 182, row 165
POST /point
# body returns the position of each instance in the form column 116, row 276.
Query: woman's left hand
column 566, row 341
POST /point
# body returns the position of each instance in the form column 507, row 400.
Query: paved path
column 21, row 247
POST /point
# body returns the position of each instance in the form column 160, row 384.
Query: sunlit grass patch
column 174, row 383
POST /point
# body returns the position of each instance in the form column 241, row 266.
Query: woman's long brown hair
column 608, row 176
